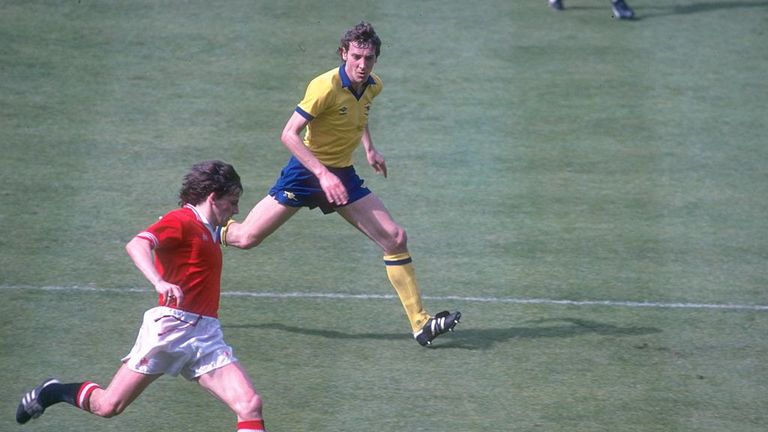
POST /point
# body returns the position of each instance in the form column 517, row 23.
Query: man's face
column 225, row 207
column 359, row 62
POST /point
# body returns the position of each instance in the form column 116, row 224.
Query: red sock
column 83, row 400
column 250, row 426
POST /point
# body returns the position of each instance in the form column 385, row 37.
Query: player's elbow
column 289, row 136
column 133, row 247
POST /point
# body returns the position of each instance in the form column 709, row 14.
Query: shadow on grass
column 695, row 8
column 477, row 338
column 482, row 339
column 687, row 9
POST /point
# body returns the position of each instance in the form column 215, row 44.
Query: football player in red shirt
column 181, row 257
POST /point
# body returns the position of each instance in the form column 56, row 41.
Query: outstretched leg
column 125, row 387
column 371, row 217
column 266, row 216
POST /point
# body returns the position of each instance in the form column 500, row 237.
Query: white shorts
column 175, row 342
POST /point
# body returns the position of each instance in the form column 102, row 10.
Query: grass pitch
column 537, row 159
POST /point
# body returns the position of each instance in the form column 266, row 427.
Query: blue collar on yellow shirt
column 345, row 83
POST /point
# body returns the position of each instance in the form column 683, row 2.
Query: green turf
column 532, row 154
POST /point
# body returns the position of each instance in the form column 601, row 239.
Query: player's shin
column 402, row 276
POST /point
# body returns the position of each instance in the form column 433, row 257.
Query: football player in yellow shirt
column 334, row 112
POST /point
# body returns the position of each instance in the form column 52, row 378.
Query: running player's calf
column 51, row 391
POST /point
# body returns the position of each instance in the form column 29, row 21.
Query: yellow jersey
column 337, row 116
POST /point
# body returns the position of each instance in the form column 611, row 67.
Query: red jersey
column 187, row 254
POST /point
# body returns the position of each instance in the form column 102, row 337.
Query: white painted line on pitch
column 345, row 296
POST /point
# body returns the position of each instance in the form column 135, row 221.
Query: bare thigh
column 371, row 217
column 232, row 385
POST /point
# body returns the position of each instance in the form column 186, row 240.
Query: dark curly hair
column 363, row 35
column 208, row 177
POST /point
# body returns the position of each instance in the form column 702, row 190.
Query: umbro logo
column 343, row 110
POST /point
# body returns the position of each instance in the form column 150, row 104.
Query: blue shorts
column 298, row 187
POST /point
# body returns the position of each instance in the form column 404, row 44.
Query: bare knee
column 107, row 409
column 401, row 238
column 396, row 240
column 248, row 407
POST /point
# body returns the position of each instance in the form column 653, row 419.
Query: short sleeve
column 166, row 232
column 317, row 98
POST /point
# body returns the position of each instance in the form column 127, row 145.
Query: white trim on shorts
column 173, row 342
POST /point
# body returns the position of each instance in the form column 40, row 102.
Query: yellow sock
column 403, row 278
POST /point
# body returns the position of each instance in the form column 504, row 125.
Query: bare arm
column 375, row 159
column 334, row 190
column 140, row 251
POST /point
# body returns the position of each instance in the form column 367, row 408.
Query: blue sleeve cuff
column 305, row 114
